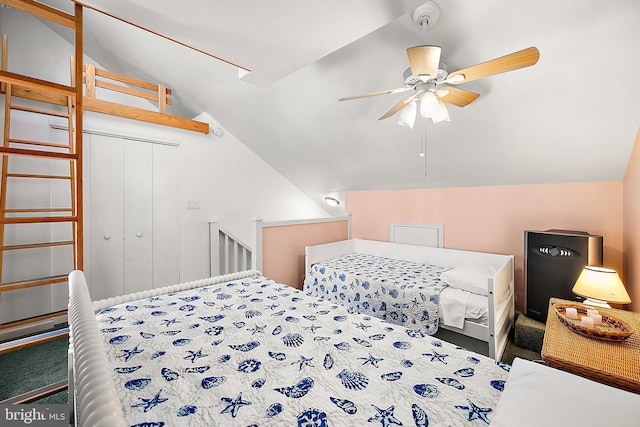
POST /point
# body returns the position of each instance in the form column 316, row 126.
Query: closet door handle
column 107, row 236
column 139, row 234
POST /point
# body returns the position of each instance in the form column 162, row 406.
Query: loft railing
column 159, row 95
column 229, row 254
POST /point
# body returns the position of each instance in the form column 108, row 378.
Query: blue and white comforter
column 401, row 292
column 254, row 352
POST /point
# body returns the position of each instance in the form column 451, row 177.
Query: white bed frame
column 500, row 286
column 92, row 393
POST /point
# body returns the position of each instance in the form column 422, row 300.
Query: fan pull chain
column 423, row 133
column 423, row 143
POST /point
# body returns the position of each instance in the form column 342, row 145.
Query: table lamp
column 600, row 286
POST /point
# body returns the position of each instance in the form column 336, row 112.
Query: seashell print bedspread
column 401, row 292
column 254, row 352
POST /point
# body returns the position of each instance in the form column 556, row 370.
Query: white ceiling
column 572, row 117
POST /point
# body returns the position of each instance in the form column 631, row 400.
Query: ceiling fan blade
column 398, row 107
column 424, row 60
column 382, row 92
column 513, row 61
column 455, row 96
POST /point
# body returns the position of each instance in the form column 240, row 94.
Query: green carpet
column 34, row 367
column 61, row 397
column 529, row 333
column 512, row 351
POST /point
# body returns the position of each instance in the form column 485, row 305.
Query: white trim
column 214, row 248
column 63, row 127
column 305, row 221
column 256, row 240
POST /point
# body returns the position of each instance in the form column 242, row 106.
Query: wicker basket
column 611, row 329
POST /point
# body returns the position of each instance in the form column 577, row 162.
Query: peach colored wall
column 632, row 227
column 283, row 248
column 493, row 219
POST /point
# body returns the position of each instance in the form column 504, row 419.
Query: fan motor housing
column 410, row 80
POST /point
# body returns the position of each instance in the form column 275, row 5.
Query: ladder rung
column 39, row 143
column 39, row 393
column 34, row 175
column 36, row 153
column 33, row 319
column 30, row 341
column 38, row 84
column 39, row 111
column 31, row 283
column 38, row 95
column 38, row 210
column 37, row 245
column 38, row 219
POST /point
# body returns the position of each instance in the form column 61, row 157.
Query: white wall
column 229, row 182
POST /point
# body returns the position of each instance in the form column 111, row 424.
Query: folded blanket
column 453, row 303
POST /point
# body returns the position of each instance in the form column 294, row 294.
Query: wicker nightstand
column 613, row 363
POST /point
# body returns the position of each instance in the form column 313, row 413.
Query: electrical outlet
column 193, row 205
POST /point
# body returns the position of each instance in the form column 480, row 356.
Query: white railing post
column 348, row 225
column 256, row 244
column 226, row 255
column 214, row 248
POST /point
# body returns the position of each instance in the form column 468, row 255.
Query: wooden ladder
column 54, row 101
column 58, row 102
column 13, row 215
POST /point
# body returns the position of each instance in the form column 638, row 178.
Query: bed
column 419, row 287
column 536, row 395
column 242, row 349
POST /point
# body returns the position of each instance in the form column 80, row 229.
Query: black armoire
column 553, row 260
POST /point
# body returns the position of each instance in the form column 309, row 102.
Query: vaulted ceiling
column 572, row 117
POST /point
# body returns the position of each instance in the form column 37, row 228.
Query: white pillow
column 470, row 278
column 536, row 395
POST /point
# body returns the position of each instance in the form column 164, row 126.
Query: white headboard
column 431, row 235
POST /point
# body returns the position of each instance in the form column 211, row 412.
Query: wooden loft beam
column 110, row 15
column 43, row 11
column 106, row 107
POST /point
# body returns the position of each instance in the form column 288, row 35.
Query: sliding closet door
column 134, row 216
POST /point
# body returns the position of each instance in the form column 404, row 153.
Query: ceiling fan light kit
column 427, row 71
column 407, row 116
column 428, row 104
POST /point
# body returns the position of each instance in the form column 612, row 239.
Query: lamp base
column 596, row 303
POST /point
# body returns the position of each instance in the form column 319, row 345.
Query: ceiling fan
column 427, row 76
